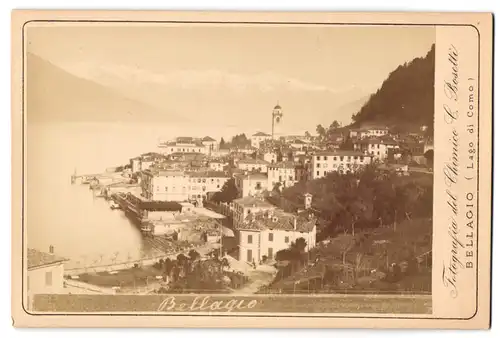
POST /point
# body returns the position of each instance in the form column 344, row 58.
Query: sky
column 235, row 73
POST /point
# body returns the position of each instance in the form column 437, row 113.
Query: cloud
column 194, row 79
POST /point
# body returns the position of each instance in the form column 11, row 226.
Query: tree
column 300, row 244
column 429, row 156
column 193, row 255
column 321, row 131
column 228, row 193
column 347, row 144
column 307, row 134
column 335, row 125
column 222, row 143
column 279, row 156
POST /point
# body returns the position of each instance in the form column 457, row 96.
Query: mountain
column 54, row 95
column 406, row 98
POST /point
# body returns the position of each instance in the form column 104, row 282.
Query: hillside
column 54, row 95
column 405, row 99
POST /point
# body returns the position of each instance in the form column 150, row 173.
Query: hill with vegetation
column 406, row 98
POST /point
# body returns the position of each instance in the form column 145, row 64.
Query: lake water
column 80, row 227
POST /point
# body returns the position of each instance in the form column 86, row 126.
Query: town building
column 201, row 183
column 380, row 147
column 259, row 137
column 217, row 165
column 262, row 234
column 45, row 274
column 253, row 165
column 183, row 145
column 283, row 173
column 341, row 161
column 270, row 156
column 145, row 161
column 165, row 185
column 247, row 205
column 211, row 145
column 298, row 144
column 251, row 184
column 373, row 131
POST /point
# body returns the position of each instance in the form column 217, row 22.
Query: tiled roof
column 378, row 140
column 252, row 161
column 210, row 173
column 285, row 165
column 254, row 176
column 250, row 201
column 277, row 220
column 340, row 153
column 260, row 134
column 207, row 138
column 38, row 259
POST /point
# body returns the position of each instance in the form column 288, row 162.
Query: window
column 318, row 165
column 287, row 239
column 317, row 173
column 324, row 158
column 318, row 158
column 290, row 178
column 258, row 186
column 166, row 188
column 355, row 157
column 271, row 237
column 250, row 239
column 341, row 158
column 48, row 278
column 249, row 255
column 335, row 158
column 270, row 253
column 324, row 173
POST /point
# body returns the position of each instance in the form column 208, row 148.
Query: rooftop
column 250, row 201
column 208, row 173
column 253, row 176
column 377, row 140
column 160, row 206
column 277, row 220
column 208, row 138
column 340, row 153
column 252, row 161
column 38, row 259
column 259, row 133
column 284, row 165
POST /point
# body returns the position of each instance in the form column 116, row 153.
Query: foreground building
column 45, row 274
column 341, row 161
column 250, row 164
column 262, row 234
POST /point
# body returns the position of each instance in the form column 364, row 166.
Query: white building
column 211, row 145
column 165, row 185
column 270, row 157
column 342, row 161
column 261, row 235
column 217, row 165
column 250, row 164
column 259, row 137
column 145, row 161
column 374, row 131
column 251, row 184
column 247, row 205
column 183, row 145
column 45, row 274
column 379, row 147
column 282, row 172
column 204, row 182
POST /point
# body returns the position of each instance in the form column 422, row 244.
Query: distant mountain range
column 56, row 95
column 406, row 98
column 116, row 93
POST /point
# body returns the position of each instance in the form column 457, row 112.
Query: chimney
column 307, row 201
column 51, row 249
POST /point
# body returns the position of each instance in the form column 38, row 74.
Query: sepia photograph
column 240, row 167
